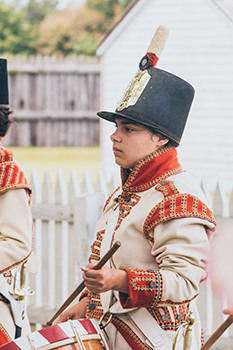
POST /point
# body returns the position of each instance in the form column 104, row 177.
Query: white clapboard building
column 200, row 50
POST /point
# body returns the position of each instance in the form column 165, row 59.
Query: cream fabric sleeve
column 181, row 249
column 15, row 228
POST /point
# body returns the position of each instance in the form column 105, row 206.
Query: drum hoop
column 71, row 340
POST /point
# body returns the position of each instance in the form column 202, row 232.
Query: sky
column 62, row 4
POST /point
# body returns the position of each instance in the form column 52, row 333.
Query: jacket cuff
column 145, row 288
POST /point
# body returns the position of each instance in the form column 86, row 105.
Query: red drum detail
column 80, row 334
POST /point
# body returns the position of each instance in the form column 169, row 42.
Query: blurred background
column 54, row 81
column 67, row 60
column 55, row 27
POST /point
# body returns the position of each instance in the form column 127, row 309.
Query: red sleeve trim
column 83, row 295
column 145, row 288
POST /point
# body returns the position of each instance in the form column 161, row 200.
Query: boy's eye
column 128, row 129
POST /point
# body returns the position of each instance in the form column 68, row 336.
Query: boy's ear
column 162, row 141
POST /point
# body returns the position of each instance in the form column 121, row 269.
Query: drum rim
column 60, row 342
column 68, row 341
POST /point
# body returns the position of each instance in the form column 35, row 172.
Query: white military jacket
column 16, row 240
column 163, row 225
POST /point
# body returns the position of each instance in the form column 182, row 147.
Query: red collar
column 150, row 170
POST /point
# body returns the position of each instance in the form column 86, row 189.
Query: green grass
column 53, row 158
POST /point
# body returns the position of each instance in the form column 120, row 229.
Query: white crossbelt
column 156, row 337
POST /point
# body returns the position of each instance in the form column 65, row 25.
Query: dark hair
column 5, row 120
column 170, row 143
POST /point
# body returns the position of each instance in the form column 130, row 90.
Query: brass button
column 127, row 198
column 165, row 318
column 92, row 306
column 153, row 284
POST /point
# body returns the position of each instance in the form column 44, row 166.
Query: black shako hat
column 155, row 98
column 4, row 97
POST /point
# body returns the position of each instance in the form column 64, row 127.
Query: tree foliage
column 19, row 27
column 16, row 34
column 107, row 7
column 77, row 30
column 40, row 28
column 72, row 31
column 37, row 11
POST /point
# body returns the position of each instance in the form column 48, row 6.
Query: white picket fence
column 64, row 221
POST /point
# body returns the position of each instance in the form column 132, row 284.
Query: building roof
column 116, row 23
column 118, row 20
column 226, row 6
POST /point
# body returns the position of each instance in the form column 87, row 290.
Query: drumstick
column 219, row 331
column 78, row 290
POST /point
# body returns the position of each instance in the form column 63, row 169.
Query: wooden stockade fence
column 54, row 101
column 65, row 218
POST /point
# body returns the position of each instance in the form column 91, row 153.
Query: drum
column 82, row 334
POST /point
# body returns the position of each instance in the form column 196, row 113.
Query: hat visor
column 111, row 116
